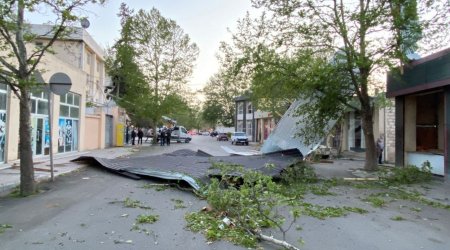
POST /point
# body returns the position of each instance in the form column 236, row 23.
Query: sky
column 205, row 21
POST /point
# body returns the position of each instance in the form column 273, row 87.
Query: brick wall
column 390, row 134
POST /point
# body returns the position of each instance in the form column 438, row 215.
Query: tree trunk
column 371, row 153
column 155, row 135
column 27, row 183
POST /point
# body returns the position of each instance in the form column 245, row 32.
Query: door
column 38, row 134
column 109, row 131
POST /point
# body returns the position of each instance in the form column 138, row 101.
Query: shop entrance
column 40, row 136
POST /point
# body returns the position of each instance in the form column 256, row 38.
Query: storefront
column 40, row 129
column 68, row 123
column 3, row 99
column 422, row 102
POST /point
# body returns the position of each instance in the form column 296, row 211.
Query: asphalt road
column 85, row 210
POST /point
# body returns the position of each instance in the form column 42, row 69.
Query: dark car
column 222, row 137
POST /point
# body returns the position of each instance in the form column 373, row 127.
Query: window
column 39, row 102
column 428, row 120
column 240, row 108
column 70, row 105
column 240, row 126
column 249, row 127
column 3, row 101
column 249, row 108
column 42, row 107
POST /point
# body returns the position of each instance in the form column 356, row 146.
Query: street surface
column 85, row 210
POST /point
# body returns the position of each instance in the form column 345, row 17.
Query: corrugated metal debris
column 192, row 167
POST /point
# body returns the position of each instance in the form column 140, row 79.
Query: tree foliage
column 327, row 52
column 20, row 59
column 224, row 86
column 155, row 59
column 220, row 91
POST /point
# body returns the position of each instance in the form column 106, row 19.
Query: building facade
column 422, row 112
column 81, row 59
column 245, row 117
column 256, row 124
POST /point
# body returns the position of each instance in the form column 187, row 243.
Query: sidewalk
column 10, row 172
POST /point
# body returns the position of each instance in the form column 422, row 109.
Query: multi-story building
column 256, row 124
column 82, row 118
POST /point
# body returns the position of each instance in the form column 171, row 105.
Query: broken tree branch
column 278, row 242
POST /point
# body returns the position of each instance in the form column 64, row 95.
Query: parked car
column 239, row 137
column 222, row 137
column 214, row 133
column 205, row 133
column 180, row 134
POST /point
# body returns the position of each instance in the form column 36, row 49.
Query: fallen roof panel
column 192, row 167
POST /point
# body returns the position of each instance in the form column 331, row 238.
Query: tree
column 164, row 55
column 224, row 86
column 20, row 60
column 220, row 91
column 131, row 90
column 353, row 40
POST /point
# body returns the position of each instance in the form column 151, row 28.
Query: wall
column 50, row 65
column 389, row 134
column 92, row 135
column 410, row 124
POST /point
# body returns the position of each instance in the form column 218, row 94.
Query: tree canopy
column 151, row 64
column 328, row 52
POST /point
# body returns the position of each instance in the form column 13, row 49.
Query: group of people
column 139, row 133
column 165, row 136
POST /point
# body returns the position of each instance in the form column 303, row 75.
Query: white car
column 239, row 137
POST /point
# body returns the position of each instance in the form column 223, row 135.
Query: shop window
column 74, row 112
column 70, row 105
column 39, row 103
column 3, row 101
column 69, row 98
column 64, row 110
column 76, row 100
column 42, row 107
column 427, row 121
column 33, row 106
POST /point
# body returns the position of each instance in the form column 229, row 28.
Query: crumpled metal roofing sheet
column 284, row 137
column 192, row 167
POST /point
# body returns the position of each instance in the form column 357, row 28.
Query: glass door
column 37, row 135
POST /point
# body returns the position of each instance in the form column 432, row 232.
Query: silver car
column 239, row 137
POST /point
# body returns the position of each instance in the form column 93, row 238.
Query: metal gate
column 109, row 131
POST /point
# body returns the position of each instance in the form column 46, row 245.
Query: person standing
column 140, row 135
column 162, row 137
column 380, row 148
column 168, row 136
column 133, row 136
